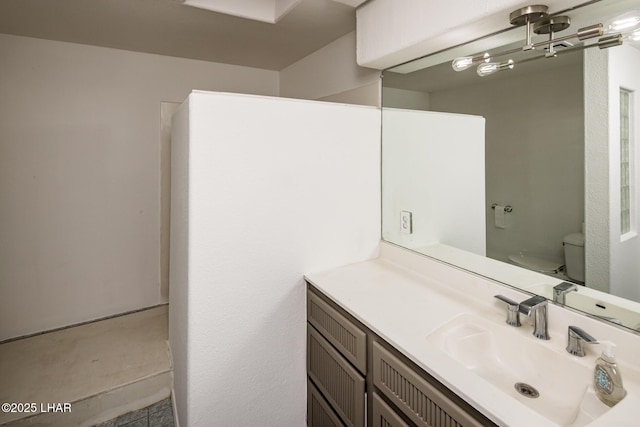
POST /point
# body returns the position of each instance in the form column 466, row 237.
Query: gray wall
column 534, row 154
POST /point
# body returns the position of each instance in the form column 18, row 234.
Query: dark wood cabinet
column 357, row 379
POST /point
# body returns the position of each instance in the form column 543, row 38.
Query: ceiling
column 168, row 27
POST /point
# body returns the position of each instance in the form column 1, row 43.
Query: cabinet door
column 340, row 383
column 424, row 404
column 319, row 413
column 384, row 416
column 339, row 331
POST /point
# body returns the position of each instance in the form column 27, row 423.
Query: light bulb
column 488, row 68
column 635, row 36
column 493, row 67
column 464, row 62
column 624, row 23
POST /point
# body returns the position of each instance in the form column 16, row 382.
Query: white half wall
column 434, row 167
column 264, row 190
column 80, row 175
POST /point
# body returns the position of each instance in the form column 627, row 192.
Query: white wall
column 391, row 32
column 434, row 167
column 80, row 175
column 263, row 191
column 534, row 154
column 624, row 63
column 331, row 74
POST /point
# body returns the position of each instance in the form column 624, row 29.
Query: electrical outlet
column 406, row 225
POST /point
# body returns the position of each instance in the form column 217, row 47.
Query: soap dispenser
column 606, row 377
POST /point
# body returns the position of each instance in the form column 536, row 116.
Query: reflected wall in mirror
column 528, row 175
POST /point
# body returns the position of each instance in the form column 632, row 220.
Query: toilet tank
column 574, row 256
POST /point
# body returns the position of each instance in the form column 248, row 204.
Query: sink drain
column 526, row 390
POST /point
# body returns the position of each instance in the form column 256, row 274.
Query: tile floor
column 156, row 415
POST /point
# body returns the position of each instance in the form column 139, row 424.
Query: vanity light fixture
column 602, row 43
column 551, row 26
column 536, row 20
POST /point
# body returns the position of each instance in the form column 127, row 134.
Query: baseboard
column 35, row 334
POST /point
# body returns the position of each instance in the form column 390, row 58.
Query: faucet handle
column 561, row 290
column 530, row 304
column 576, row 337
column 513, row 316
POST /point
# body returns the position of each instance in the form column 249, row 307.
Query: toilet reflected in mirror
column 570, row 269
column 574, row 257
column 539, row 265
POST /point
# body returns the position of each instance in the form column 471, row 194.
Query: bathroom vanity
column 397, row 391
column 405, row 340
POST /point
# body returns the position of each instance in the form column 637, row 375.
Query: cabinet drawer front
column 384, row 416
column 319, row 413
column 340, row 383
column 340, row 332
column 417, row 398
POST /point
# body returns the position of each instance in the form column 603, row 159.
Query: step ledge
column 104, row 406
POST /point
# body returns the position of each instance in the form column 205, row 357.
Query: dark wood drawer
column 350, row 340
column 384, row 416
column 339, row 382
column 319, row 413
column 422, row 402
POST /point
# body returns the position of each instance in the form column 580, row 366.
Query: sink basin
column 521, row 366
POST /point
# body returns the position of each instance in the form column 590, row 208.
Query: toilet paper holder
column 507, row 208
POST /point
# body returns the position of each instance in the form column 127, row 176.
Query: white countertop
column 403, row 297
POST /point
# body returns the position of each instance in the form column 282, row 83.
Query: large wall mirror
column 530, row 174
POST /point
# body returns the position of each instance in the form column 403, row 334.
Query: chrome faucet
column 576, row 337
column 561, row 290
column 513, row 315
column 534, row 307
